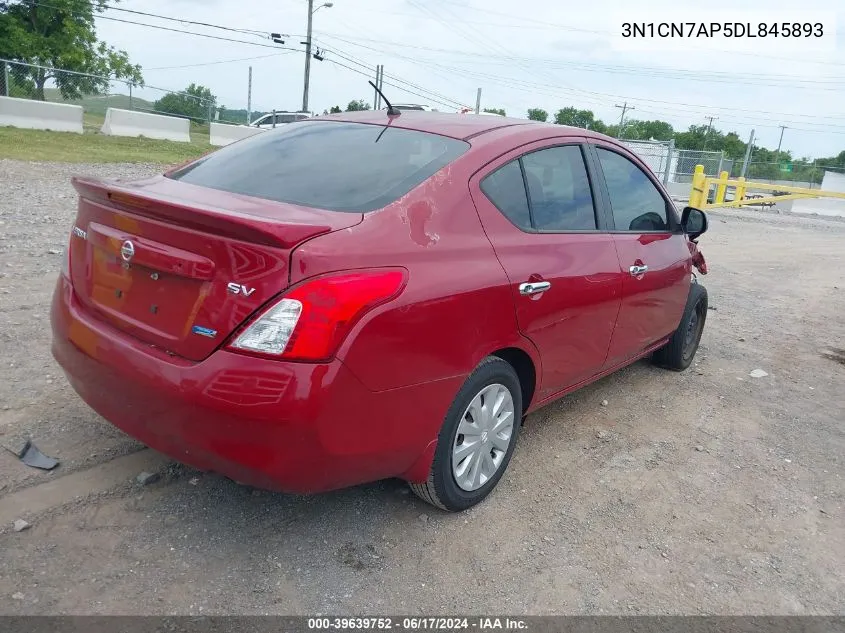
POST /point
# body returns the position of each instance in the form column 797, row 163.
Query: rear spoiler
column 283, row 232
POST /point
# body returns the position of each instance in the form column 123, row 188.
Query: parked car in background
column 280, row 118
column 389, row 300
column 412, row 106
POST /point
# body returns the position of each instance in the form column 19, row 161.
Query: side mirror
column 694, row 222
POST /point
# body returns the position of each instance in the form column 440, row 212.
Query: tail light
column 310, row 321
column 66, row 259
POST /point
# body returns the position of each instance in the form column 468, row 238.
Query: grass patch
column 98, row 104
column 66, row 147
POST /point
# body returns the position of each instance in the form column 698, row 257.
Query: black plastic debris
column 31, row 456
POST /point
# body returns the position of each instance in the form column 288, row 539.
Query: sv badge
column 239, row 289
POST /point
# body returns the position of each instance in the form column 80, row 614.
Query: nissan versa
column 372, row 295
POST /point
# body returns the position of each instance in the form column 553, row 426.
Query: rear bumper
column 292, row 427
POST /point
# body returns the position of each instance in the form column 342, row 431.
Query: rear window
column 339, row 166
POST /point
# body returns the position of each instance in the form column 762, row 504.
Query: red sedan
column 366, row 296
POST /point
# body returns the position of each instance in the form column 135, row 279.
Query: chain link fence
column 97, row 93
column 658, row 155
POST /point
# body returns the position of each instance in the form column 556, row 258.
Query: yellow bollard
column 721, row 188
column 740, row 189
column 697, row 195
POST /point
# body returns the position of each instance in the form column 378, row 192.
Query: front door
column 653, row 255
column 537, row 207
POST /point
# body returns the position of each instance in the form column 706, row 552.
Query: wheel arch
column 526, row 370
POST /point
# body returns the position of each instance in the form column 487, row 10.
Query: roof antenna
column 391, row 111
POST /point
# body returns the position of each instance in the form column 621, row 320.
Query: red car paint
column 374, row 409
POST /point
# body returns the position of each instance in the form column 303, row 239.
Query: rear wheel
column 477, row 439
column 678, row 353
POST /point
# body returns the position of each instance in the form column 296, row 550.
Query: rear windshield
column 326, row 164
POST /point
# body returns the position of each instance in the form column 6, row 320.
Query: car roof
column 483, row 130
column 459, row 126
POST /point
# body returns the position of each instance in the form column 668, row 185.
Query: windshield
column 338, row 166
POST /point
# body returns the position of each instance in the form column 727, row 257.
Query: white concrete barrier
column 130, row 123
column 40, row 115
column 223, row 134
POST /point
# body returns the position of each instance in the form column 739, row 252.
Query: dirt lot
column 703, row 492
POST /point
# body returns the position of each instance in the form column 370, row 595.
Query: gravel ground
column 707, row 491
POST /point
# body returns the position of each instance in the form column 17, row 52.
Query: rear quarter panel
column 456, row 308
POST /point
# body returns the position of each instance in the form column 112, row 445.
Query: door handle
column 533, row 287
column 636, row 271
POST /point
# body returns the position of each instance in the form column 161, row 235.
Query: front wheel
column 678, row 353
column 477, row 439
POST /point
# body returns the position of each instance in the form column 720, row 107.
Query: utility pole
column 625, row 107
column 379, row 82
column 249, row 98
column 307, row 56
column 307, row 42
column 478, row 101
column 782, row 128
column 375, row 91
column 710, row 120
column 748, row 150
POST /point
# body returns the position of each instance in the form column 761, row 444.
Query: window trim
column 671, row 214
column 598, row 214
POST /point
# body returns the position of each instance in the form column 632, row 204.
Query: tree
column 693, row 138
column 575, row 118
column 734, row 146
column 648, row 130
column 357, row 106
column 499, row 111
column 335, row 110
column 61, row 34
column 538, row 114
column 193, row 103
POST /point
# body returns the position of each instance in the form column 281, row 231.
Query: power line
column 222, row 61
column 350, row 58
column 213, row 37
column 367, row 74
column 184, row 21
column 431, row 95
column 452, row 25
column 604, row 98
column 670, row 73
column 604, row 32
column 216, row 37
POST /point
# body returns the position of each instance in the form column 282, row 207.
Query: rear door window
column 559, row 189
column 338, row 166
column 544, row 190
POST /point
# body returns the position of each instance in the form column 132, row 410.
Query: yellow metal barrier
column 700, row 191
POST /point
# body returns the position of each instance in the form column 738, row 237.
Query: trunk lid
column 181, row 266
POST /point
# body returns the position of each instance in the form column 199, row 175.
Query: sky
column 548, row 54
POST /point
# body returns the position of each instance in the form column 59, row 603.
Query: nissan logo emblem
column 127, row 251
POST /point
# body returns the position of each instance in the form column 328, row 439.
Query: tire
column 678, row 353
column 454, row 489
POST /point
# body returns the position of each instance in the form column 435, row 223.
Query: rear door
column 538, row 210
column 653, row 253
